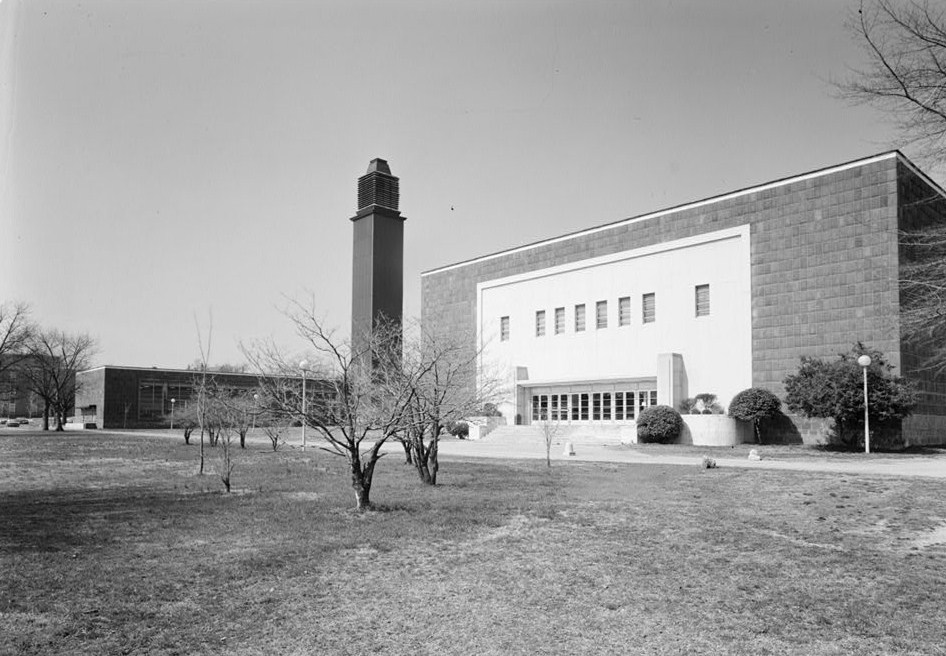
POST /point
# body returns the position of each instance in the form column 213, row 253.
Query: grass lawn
column 112, row 545
column 782, row 451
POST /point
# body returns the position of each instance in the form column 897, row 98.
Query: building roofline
column 698, row 203
column 165, row 370
column 923, row 176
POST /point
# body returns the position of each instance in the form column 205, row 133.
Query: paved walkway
column 928, row 466
column 925, row 466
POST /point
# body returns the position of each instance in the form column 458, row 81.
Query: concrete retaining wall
column 714, row 430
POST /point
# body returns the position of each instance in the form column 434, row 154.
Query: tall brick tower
column 378, row 262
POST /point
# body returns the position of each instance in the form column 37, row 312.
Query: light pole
column 303, row 365
column 173, row 401
column 864, row 361
column 255, row 409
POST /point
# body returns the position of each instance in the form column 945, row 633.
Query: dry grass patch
column 503, row 558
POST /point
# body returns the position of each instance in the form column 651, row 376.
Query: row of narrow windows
column 648, row 314
column 587, row 406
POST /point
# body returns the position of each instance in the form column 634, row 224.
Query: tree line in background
column 43, row 361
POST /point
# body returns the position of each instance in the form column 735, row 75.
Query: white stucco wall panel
column 716, row 349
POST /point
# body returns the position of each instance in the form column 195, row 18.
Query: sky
column 168, row 163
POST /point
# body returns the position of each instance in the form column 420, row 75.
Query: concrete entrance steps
column 596, row 434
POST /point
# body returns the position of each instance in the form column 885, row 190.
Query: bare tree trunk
column 361, row 476
column 408, row 458
column 425, row 457
column 361, row 483
column 45, row 415
column 433, row 463
column 226, row 462
column 423, row 470
column 201, row 470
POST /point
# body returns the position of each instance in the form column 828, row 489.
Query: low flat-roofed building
column 138, row 397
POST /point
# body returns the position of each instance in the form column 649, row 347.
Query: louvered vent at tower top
column 378, row 187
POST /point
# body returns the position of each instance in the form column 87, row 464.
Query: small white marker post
column 569, row 449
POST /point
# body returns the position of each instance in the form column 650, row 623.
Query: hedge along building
column 713, row 296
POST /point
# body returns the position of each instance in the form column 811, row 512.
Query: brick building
column 140, row 397
column 712, row 296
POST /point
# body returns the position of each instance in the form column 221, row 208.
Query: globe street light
column 256, row 409
column 303, row 365
column 173, row 401
column 864, row 361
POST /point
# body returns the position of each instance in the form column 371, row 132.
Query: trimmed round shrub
column 755, row 405
column 459, row 429
column 659, row 423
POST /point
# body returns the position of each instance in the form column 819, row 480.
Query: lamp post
column 173, row 401
column 864, row 361
column 255, row 409
column 303, row 365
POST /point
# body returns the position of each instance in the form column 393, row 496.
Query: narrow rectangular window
column 601, row 314
column 504, row 329
column 584, row 407
column 624, row 311
column 540, row 323
column 559, row 320
column 535, row 408
column 580, row 318
column 596, row 406
column 618, row 406
column 574, row 407
column 702, row 301
column 606, row 406
column 649, row 309
column 647, row 398
column 544, row 407
column 631, row 404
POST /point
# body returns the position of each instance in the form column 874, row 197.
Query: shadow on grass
column 67, row 519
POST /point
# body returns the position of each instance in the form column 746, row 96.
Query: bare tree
column 275, row 425
column 202, row 386
column 905, row 75
column 550, row 429
column 349, row 404
column 905, row 45
column 50, row 369
column 15, row 332
column 226, row 414
column 185, row 418
column 437, row 370
column 923, row 292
